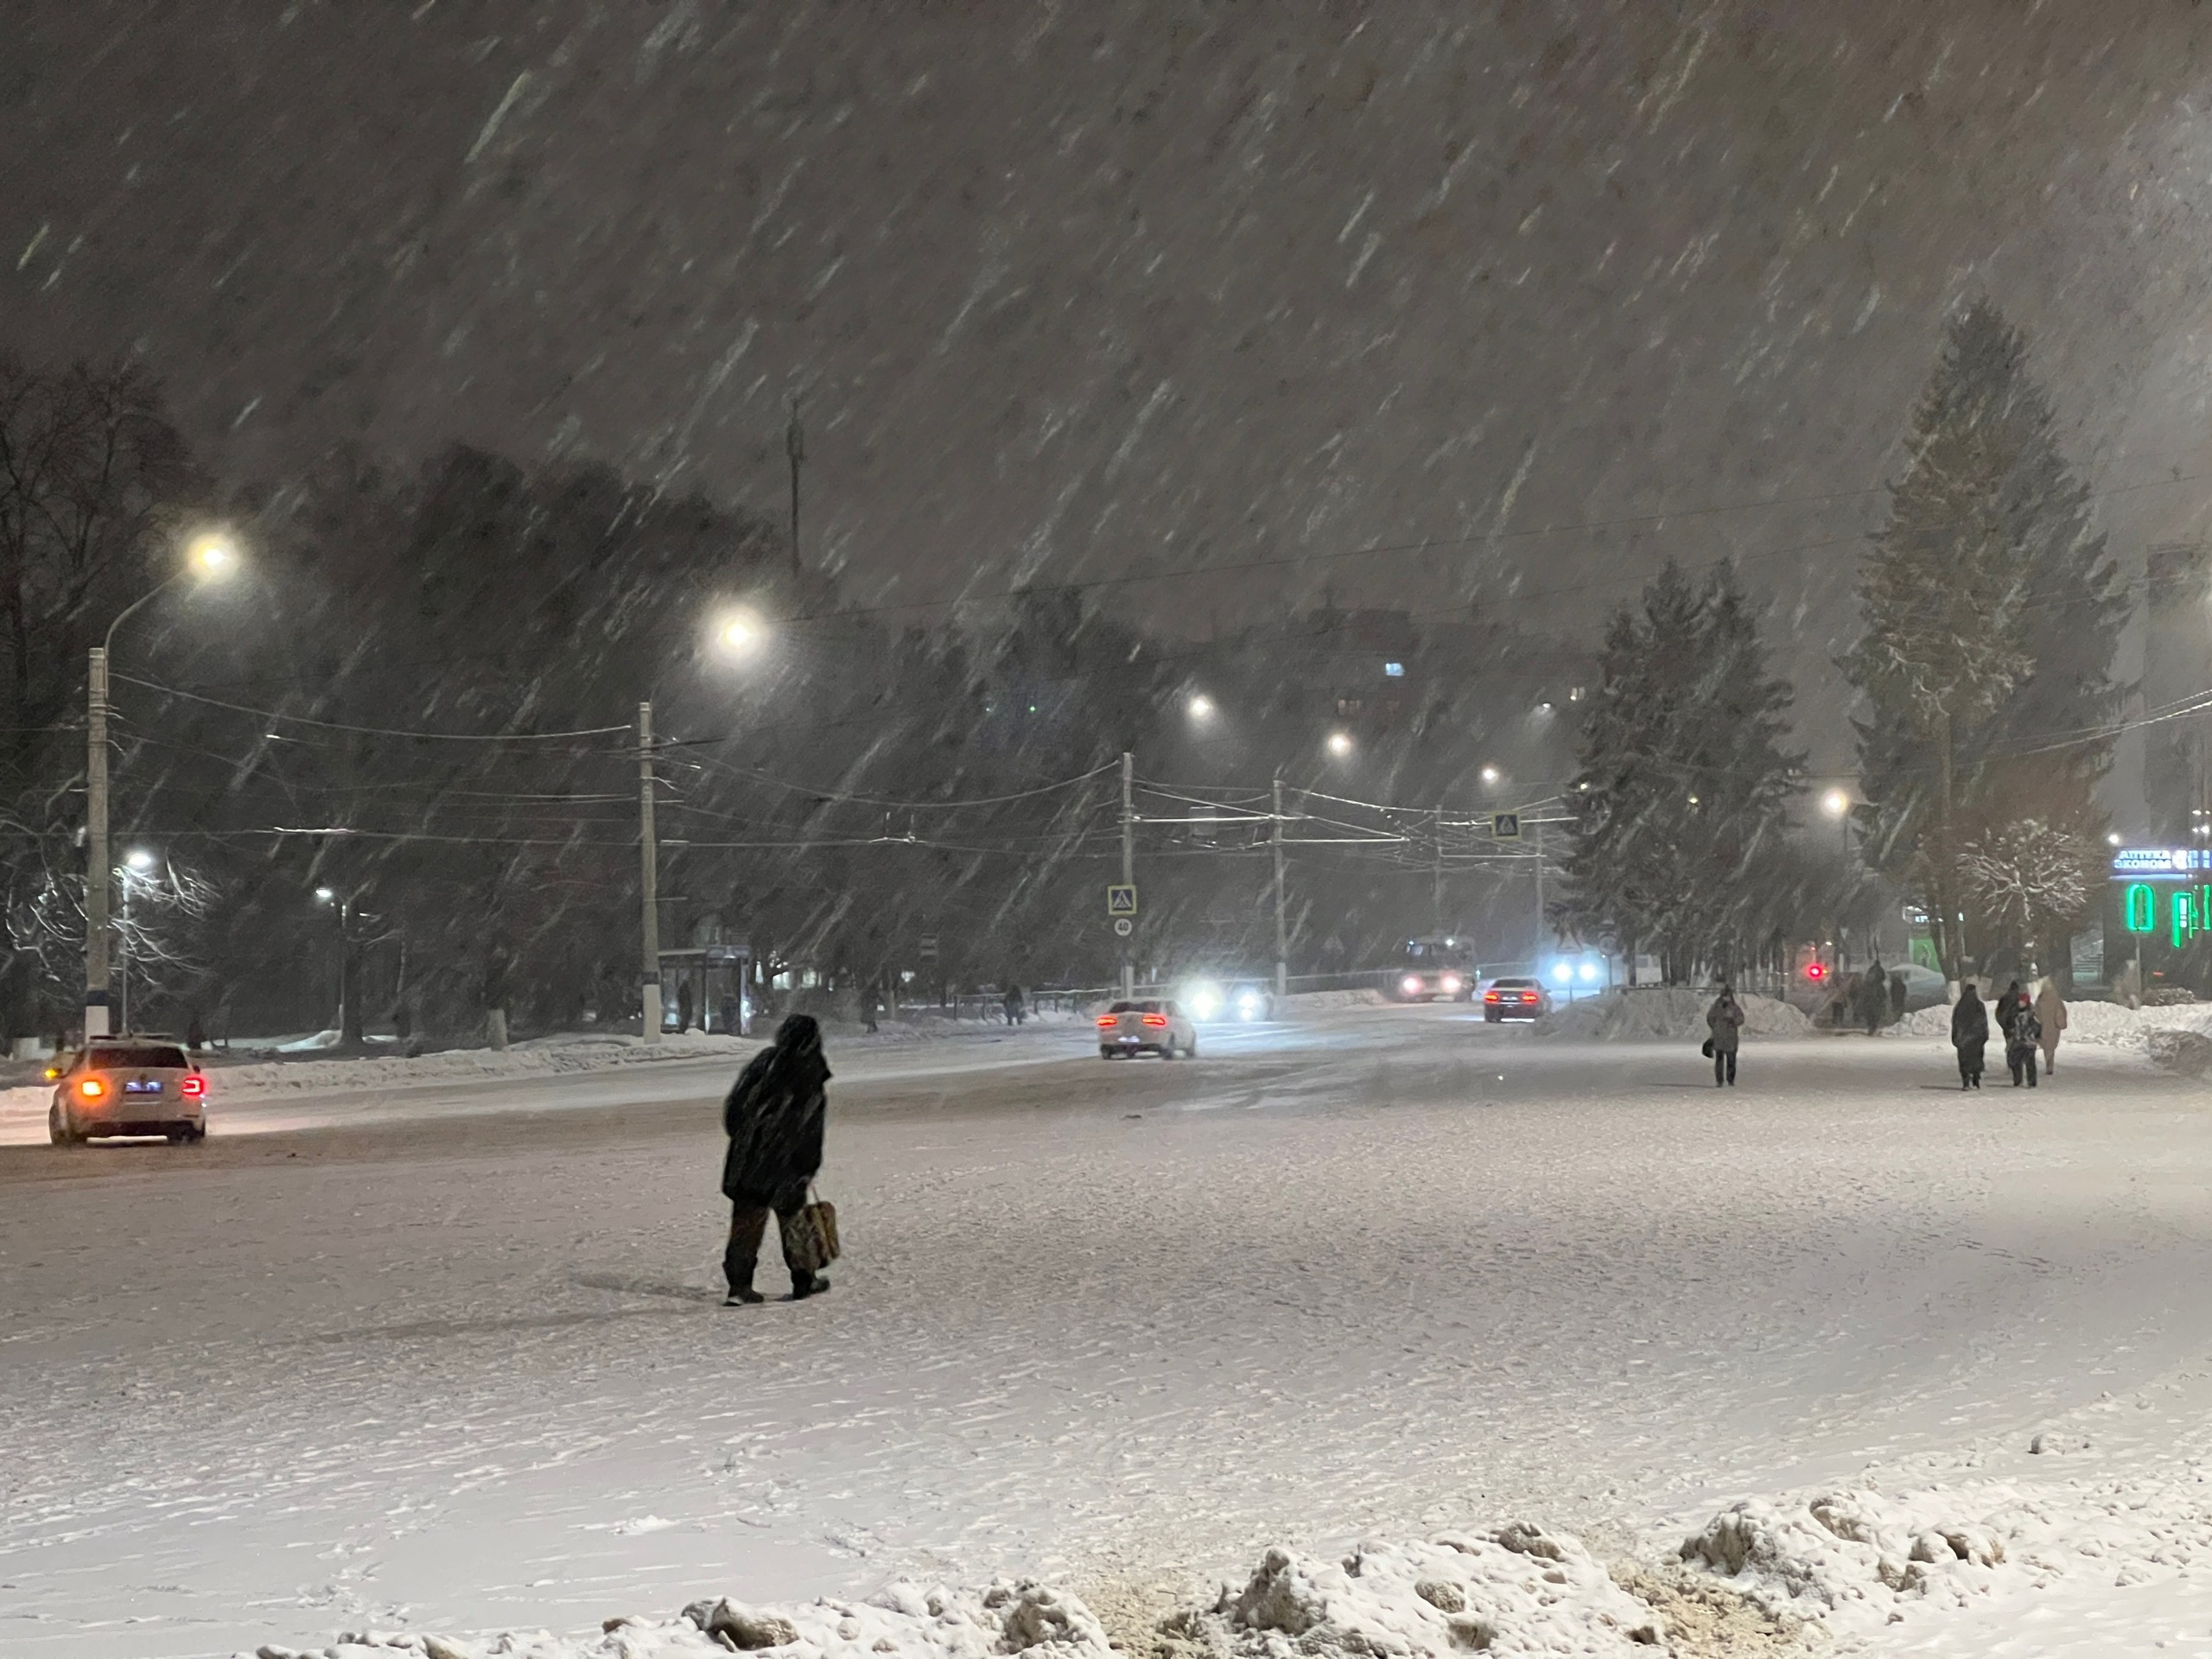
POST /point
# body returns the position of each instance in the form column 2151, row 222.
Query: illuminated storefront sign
column 2159, row 864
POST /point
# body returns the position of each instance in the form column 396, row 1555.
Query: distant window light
column 1574, row 694
column 1394, row 671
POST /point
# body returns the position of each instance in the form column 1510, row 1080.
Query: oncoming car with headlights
column 1433, row 969
column 127, row 1085
column 1207, row 1001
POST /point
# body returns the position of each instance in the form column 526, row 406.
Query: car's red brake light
column 1107, row 1020
column 1528, row 997
column 195, row 1087
column 92, row 1089
column 1156, row 1019
column 1492, row 996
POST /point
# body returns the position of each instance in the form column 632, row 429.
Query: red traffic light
column 1816, row 970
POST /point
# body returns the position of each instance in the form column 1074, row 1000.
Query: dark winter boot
column 805, row 1284
column 742, row 1296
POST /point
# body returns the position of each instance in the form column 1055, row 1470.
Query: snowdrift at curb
column 1665, row 1015
column 2162, row 1033
column 1853, row 1562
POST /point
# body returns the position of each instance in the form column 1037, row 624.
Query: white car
column 1155, row 1026
column 127, row 1085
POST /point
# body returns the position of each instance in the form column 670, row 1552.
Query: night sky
column 1092, row 290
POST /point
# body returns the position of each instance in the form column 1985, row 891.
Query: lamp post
column 211, row 556
column 1837, row 804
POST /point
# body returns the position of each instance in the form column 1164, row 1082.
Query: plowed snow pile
column 1665, row 1015
column 1853, row 1562
column 2104, row 1025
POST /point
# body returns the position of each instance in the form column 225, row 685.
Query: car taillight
column 1528, row 997
column 195, row 1088
column 1492, row 996
column 92, row 1089
column 1156, row 1019
column 1107, row 1020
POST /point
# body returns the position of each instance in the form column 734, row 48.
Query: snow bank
column 1516, row 1591
column 1856, row 1560
column 1665, row 1014
column 543, row 1056
column 902, row 1619
column 1853, row 1562
column 2101, row 1025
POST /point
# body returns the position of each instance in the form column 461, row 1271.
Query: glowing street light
column 1491, row 774
column 140, row 860
column 739, row 632
column 1199, row 708
column 1339, row 744
column 211, row 555
column 1836, row 803
column 324, row 895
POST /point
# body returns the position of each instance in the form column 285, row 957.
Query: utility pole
column 794, row 447
column 1436, row 878
column 649, row 879
column 98, row 871
column 1282, row 940
column 1129, row 866
column 1537, row 959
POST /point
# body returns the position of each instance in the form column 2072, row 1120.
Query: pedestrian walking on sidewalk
column 1725, row 1019
column 774, row 1118
column 1969, row 1035
column 2050, row 1014
column 2020, row 1044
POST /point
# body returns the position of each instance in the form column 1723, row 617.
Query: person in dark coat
column 1725, row 1019
column 2008, row 1007
column 1969, row 1035
column 683, row 1007
column 1898, row 992
column 774, row 1118
column 2020, row 1041
column 1873, row 996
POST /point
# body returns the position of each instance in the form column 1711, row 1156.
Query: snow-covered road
column 452, row 1356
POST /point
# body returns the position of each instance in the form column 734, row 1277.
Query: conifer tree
column 1684, row 784
column 1991, row 616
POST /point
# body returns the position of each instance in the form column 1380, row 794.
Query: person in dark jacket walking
column 1874, row 997
column 2020, row 1042
column 1725, row 1019
column 1969, row 1035
column 2008, row 1007
column 774, row 1118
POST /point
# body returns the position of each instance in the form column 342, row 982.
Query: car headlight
column 1451, row 983
column 1247, row 1005
column 1205, row 1002
column 1410, row 984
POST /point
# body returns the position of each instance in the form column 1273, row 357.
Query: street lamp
column 1490, row 774
column 1199, row 708
column 210, row 554
column 739, row 632
column 1340, row 744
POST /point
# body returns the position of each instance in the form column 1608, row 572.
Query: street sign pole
column 1282, row 943
column 648, row 884
column 1128, row 864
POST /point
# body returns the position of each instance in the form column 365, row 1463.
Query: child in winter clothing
column 2020, row 1040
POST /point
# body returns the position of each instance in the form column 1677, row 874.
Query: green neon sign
column 2142, row 905
column 2184, row 917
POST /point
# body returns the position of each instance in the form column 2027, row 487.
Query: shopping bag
column 1707, row 1049
column 811, row 1236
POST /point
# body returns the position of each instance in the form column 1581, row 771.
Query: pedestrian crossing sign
column 1505, row 826
column 1121, row 898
